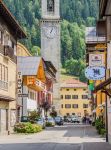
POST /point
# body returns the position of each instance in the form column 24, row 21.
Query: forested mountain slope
column 76, row 14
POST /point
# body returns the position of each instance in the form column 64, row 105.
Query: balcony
column 36, row 84
column 9, row 53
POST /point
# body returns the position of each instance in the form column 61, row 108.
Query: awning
column 102, row 85
column 103, row 88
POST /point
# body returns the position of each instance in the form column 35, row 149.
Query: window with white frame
column 32, row 95
column 3, row 77
column 0, row 37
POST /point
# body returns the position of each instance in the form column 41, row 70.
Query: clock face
column 51, row 31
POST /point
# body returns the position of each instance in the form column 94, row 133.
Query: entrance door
column 3, row 120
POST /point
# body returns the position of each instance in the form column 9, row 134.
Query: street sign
column 95, row 73
column 22, row 95
column 96, row 60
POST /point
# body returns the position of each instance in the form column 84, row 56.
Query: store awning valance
column 103, row 87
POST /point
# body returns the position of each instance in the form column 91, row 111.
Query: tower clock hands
column 51, row 30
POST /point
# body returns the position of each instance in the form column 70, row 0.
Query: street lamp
column 94, row 96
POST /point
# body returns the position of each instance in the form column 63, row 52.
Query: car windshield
column 50, row 119
column 57, row 118
column 40, row 119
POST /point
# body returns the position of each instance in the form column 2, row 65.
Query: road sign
column 96, row 60
column 22, row 95
column 95, row 73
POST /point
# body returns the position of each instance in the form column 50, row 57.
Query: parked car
column 59, row 120
column 25, row 119
column 69, row 119
column 42, row 122
column 75, row 120
column 51, row 120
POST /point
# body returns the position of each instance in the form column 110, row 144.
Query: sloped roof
column 9, row 18
column 28, row 65
column 73, row 84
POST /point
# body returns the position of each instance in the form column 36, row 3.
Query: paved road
column 68, row 137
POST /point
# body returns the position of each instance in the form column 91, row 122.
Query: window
column 3, row 77
column 32, row 95
column 84, row 96
column 67, row 105
column 75, row 106
column 1, row 37
column 74, row 96
column 62, row 106
column 67, row 114
column 3, row 73
column 6, row 74
column 0, row 71
column 67, row 89
column 85, row 105
column 50, row 5
column 75, row 89
column 84, row 89
column 61, row 96
column 73, row 114
column 67, row 96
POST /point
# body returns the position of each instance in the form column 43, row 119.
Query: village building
column 96, row 56
column 74, row 99
column 104, row 27
column 38, row 77
column 10, row 32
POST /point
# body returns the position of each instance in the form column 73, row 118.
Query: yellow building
column 74, row 98
column 10, row 32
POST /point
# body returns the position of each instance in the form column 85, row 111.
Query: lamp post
column 106, row 120
column 94, row 96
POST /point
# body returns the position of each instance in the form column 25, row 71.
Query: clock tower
column 50, row 41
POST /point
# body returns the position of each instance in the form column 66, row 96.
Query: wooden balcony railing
column 8, row 52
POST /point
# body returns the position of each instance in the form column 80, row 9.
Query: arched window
column 50, row 5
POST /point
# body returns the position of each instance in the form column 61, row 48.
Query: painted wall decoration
column 96, row 60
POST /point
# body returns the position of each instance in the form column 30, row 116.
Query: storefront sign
column 95, row 73
column 23, row 95
column 101, row 46
column 96, row 60
column 19, row 82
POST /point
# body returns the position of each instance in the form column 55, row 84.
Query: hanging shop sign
column 96, row 60
column 95, row 73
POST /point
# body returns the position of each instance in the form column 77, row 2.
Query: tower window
column 50, row 5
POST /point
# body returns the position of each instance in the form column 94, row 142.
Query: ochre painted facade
column 79, row 91
column 22, row 50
